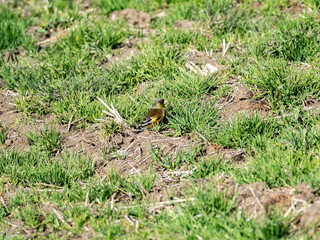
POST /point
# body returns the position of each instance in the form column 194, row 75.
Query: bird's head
column 158, row 103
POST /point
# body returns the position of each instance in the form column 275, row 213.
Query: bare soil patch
column 13, row 55
column 301, row 203
column 295, row 9
column 124, row 53
column 134, row 17
column 231, row 155
column 184, row 24
column 256, row 200
column 242, row 100
column 312, row 103
column 9, row 118
column 202, row 58
column 130, row 152
column 53, row 35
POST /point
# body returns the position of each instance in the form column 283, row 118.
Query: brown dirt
column 34, row 31
column 184, row 24
column 16, row 123
column 8, row 118
column 53, row 35
column 13, row 55
column 122, row 54
column 242, row 100
column 134, row 149
column 301, row 203
column 200, row 58
column 232, row 155
column 134, row 17
column 256, row 200
column 312, row 103
column 295, row 9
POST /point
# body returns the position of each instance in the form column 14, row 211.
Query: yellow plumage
column 155, row 115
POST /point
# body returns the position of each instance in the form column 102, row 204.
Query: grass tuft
column 47, row 140
column 281, row 84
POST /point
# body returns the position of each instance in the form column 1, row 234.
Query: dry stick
column 143, row 161
column 109, row 114
column 4, row 204
column 59, row 216
column 199, row 238
column 129, row 146
column 78, row 120
column 137, row 171
column 254, row 195
column 202, row 137
column 48, row 185
column 194, row 68
column 225, row 48
column 128, row 219
column 180, row 172
column 142, row 189
column 112, row 200
column 160, row 204
column 227, row 103
column 87, row 199
column 43, row 190
column 112, row 112
column 165, row 139
column 290, row 209
column 13, row 225
column 69, row 125
column 190, row 172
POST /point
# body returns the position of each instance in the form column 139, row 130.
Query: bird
column 155, row 114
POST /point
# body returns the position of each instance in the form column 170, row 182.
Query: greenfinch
column 155, row 114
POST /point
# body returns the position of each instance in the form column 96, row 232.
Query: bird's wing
column 153, row 116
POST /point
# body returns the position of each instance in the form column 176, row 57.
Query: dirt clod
column 257, row 200
column 311, row 217
column 242, row 100
column 184, row 24
column 136, row 18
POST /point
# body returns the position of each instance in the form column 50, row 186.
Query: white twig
column 59, row 215
column 190, row 65
column 225, row 49
column 257, row 200
column 69, row 125
column 128, row 219
column 112, row 112
column 160, row 204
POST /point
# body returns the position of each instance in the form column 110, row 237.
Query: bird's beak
column 165, row 102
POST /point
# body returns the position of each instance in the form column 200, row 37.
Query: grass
column 293, row 39
column 34, row 167
column 3, row 134
column 240, row 132
column 192, row 117
column 282, row 85
column 176, row 160
column 48, row 189
column 48, row 140
column 12, row 29
column 139, row 184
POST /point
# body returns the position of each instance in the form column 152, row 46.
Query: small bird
column 155, row 114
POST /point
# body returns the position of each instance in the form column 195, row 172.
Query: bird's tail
column 145, row 124
column 138, row 130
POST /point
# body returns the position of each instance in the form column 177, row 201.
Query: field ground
column 236, row 157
